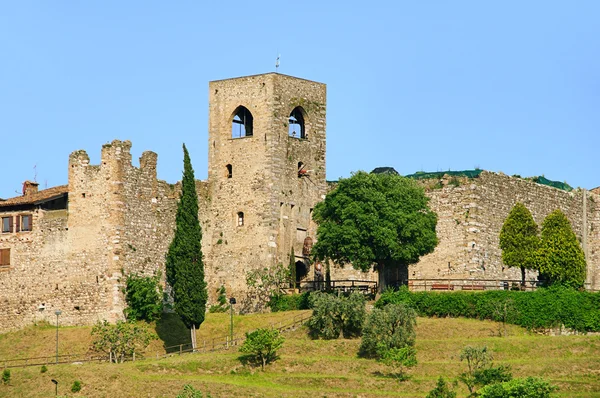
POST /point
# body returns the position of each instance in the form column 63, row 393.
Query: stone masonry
column 255, row 210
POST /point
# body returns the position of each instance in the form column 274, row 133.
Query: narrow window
column 4, row 257
column 26, row 222
column 7, row 224
column 229, row 171
column 302, row 172
column 296, row 123
column 241, row 125
column 240, row 219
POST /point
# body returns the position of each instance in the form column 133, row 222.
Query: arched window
column 240, row 219
column 229, row 172
column 296, row 123
column 241, row 125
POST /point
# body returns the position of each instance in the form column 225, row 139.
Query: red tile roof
column 34, row 198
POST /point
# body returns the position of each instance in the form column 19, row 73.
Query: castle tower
column 266, row 173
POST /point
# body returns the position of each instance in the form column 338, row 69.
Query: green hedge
column 543, row 308
column 289, row 302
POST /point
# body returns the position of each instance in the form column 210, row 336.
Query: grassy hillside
column 307, row 367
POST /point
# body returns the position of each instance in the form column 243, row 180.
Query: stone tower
column 266, row 172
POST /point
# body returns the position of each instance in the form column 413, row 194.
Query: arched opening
column 229, row 172
column 241, row 125
column 240, row 219
column 296, row 123
column 301, row 271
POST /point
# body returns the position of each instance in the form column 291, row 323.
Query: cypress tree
column 519, row 239
column 184, row 267
column 292, row 267
column 560, row 258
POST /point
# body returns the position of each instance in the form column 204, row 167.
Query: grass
column 307, row 367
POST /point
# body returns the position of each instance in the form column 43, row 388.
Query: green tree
column 76, row 386
column 530, row 387
column 480, row 371
column 334, row 316
column 519, row 239
column 560, row 258
column 121, row 339
column 6, row 376
column 392, row 326
column 441, row 390
column 260, row 346
column 267, row 282
column 185, row 270
column 143, row 295
column 375, row 219
column 399, row 358
column 293, row 269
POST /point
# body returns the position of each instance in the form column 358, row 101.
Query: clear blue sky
column 431, row 85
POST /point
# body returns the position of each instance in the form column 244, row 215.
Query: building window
column 240, row 219
column 7, row 224
column 26, row 222
column 229, row 171
column 296, row 123
column 4, row 257
column 241, row 125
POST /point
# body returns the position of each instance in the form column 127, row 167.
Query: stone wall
column 471, row 216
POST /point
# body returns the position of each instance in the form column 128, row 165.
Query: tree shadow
column 392, row 375
column 174, row 334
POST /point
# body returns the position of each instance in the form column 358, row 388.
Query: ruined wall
column 471, row 216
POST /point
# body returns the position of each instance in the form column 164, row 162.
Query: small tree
column 185, row 270
column 560, row 258
column 519, row 239
column 260, row 346
column 375, row 219
column 190, row 392
column 441, row 390
column 480, row 371
column 398, row 358
column 76, row 386
column 267, row 282
column 121, row 339
column 335, row 316
column 393, row 326
column 144, row 297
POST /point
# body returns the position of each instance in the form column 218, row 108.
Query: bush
column 386, row 328
column 144, row 298
column 334, row 316
column 441, row 390
column 541, row 309
column 189, row 391
column 530, row 387
column 398, row 358
column 121, row 339
column 221, row 305
column 6, row 376
column 76, row 387
column 289, row 302
column 261, row 346
column 44, row 369
column 480, row 371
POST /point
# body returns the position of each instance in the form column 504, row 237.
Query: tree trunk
column 523, row 277
column 381, row 277
column 193, row 336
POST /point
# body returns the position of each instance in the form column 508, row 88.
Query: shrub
column 441, row 390
column 334, row 316
column 261, row 346
column 76, row 387
column 144, row 297
column 543, row 308
column 530, row 387
column 398, row 358
column 390, row 327
column 480, row 371
column 289, row 302
column 121, row 339
column 44, row 369
column 189, row 391
column 6, row 376
column 221, row 305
